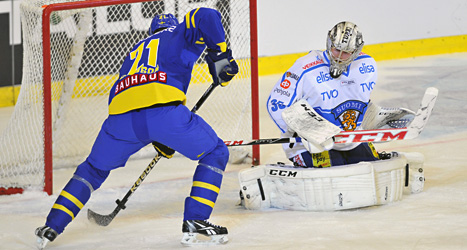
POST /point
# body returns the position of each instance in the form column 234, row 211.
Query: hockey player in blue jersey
column 337, row 84
column 146, row 104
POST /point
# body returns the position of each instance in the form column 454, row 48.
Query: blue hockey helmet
column 161, row 22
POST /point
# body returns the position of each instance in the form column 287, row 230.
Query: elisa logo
column 365, row 69
column 285, row 84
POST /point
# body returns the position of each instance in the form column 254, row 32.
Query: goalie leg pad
column 340, row 188
column 389, row 179
column 336, row 188
column 414, row 173
column 311, row 189
column 252, row 188
column 402, row 174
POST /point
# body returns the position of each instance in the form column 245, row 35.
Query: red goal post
column 76, row 81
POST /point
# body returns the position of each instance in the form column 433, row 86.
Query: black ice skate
column 201, row 232
column 44, row 235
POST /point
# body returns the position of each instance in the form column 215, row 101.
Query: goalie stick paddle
column 104, row 220
column 376, row 135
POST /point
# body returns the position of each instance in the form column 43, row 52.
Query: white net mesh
column 87, row 48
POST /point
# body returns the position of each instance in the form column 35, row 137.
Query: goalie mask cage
column 73, row 51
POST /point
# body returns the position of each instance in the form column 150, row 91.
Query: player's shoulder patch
column 312, row 60
column 290, row 74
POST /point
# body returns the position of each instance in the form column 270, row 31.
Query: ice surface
column 433, row 219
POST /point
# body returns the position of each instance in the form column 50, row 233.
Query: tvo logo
column 367, row 86
column 327, row 95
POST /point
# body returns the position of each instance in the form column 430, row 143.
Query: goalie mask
column 161, row 22
column 344, row 44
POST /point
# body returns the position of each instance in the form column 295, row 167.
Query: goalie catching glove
column 377, row 117
column 163, row 150
column 222, row 66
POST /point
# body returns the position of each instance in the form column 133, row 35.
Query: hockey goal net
column 72, row 54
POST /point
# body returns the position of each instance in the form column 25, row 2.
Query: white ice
column 433, row 219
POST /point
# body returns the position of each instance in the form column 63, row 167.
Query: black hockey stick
column 104, row 220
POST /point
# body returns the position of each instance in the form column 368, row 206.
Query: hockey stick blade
column 104, row 220
column 101, row 220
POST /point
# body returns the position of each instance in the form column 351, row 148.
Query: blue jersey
column 158, row 69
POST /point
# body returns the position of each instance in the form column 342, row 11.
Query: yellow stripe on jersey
column 201, row 41
column 200, row 155
column 187, row 19
column 222, row 46
column 206, row 186
column 64, row 209
column 193, row 18
column 202, row 200
column 72, row 199
column 144, row 96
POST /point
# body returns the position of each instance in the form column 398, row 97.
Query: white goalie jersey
column 342, row 101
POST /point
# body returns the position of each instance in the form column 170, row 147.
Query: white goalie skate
column 201, row 232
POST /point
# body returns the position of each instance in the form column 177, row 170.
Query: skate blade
column 41, row 242
column 196, row 239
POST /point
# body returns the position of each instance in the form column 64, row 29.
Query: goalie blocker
column 330, row 189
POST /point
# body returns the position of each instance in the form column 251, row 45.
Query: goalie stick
column 104, row 220
column 375, row 135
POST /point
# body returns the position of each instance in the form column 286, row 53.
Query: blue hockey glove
column 222, row 66
column 163, row 150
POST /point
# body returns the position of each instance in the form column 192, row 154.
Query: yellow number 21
column 135, row 55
